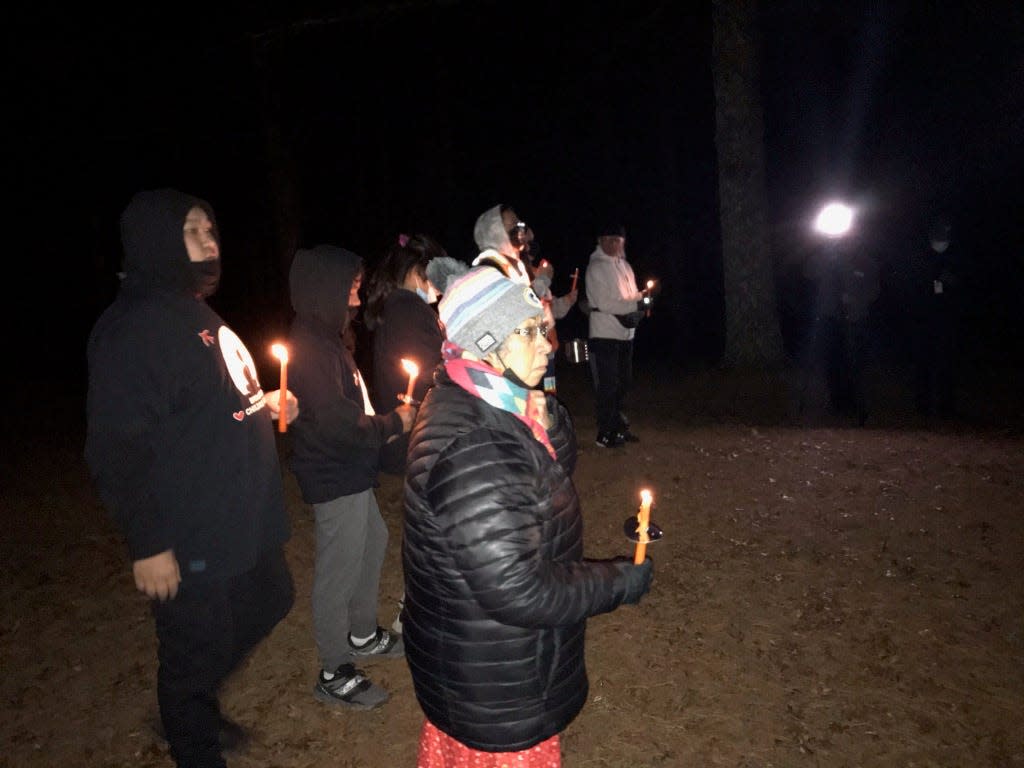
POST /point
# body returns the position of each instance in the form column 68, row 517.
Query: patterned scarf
column 483, row 381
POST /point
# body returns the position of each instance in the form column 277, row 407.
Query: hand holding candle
column 413, row 370
column 643, row 523
column 647, row 296
column 280, row 351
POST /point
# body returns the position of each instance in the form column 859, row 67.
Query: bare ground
column 824, row 596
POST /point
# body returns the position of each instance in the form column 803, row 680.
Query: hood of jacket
column 489, row 232
column 320, row 282
column 153, row 239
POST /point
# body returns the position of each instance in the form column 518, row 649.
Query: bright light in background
column 834, row 220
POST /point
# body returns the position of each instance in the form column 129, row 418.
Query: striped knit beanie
column 482, row 307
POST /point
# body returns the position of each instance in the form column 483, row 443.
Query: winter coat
column 407, row 328
column 497, row 589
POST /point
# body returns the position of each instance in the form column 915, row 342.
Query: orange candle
column 280, row 351
column 413, row 370
column 575, row 277
column 643, row 522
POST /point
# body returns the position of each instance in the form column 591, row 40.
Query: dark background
column 354, row 122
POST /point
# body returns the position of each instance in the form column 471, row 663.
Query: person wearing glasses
column 497, row 590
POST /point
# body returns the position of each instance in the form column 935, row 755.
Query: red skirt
column 439, row 750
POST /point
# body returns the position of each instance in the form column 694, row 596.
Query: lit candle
column 280, row 351
column 643, row 522
column 575, row 277
column 650, row 285
column 413, row 370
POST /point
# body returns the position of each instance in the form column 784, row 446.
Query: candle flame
column 280, row 351
column 643, row 515
column 650, row 283
column 410, row 367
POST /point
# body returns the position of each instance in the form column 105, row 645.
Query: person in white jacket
column 616, row 306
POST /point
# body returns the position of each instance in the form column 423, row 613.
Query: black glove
column 637, row 579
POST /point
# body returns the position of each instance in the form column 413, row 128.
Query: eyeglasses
column 537, row 331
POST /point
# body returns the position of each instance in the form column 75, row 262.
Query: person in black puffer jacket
column 497, row 589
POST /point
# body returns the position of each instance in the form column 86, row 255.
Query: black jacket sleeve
column 132, row 382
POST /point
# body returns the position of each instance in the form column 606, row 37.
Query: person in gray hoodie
column 507, row 243
column 338, row 442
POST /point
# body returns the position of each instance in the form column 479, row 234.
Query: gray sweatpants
column 351, row 539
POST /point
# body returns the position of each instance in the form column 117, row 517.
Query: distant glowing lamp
column 834, row 220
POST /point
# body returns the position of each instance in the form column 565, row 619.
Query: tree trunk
column 752, row 332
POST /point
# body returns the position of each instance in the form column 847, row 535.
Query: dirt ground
column 824, row 596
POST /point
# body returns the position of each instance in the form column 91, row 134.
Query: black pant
column 205, row 632
column 845, row 346
column 611, row 366
column 934, row 369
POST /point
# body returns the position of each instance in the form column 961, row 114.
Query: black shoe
column 385, row 644
column 628, row 437
column 233, row 737
column 610, row 440
column 349, row 687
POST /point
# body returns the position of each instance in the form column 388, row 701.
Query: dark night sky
column 417, row 116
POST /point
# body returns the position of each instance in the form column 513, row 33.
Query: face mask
column 509, row 374
column 205, row 277
column 429, row 295
column 939, row 247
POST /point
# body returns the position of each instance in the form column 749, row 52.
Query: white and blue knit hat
column 481, row 308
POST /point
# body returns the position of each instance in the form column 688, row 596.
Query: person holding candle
column 181, row 446
column 616, row 306
column 402, row 318
column 508, row 243
column 497, row 589
column 336, row 458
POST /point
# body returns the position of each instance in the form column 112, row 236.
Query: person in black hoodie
column 181, row 446
column 338, row 439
